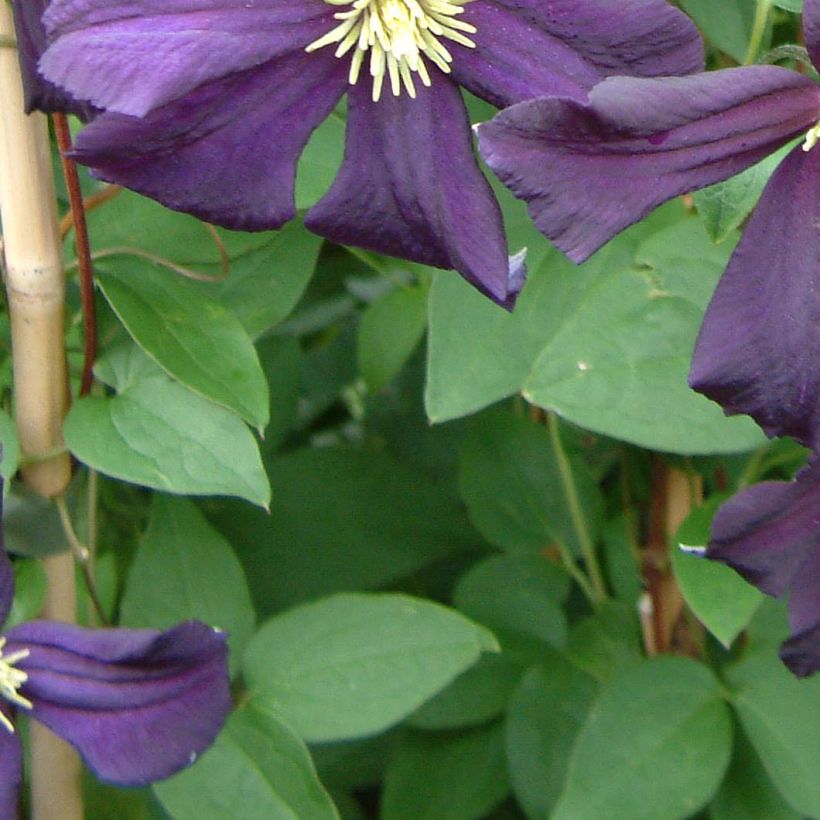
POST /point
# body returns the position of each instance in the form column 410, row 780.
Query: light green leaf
column 158, row 433
column 11, row 447
column 545, row 715
column 446, row 776
column 655, row 746
column 184, row 568
column 194, row 339
column 606, row 345
column 29, row 592
column 721, row 599
column 258, row 768
column 355, row 664
column 724, row 206
column 390, row 330
column 320, row 160
column 780, row 715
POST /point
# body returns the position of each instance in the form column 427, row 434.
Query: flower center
column 812, row 138
column 399, row 34
column 11, row 679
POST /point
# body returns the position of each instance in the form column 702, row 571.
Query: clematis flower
column 589, row 169
column 208, row 105
column 770, row 534
column 31, row 42
column 138, row 704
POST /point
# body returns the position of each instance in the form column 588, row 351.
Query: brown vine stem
column 35, row 291
column 84, row 263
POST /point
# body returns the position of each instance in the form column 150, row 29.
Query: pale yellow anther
column 11, row 679
column 812, row 138
column 399, row 34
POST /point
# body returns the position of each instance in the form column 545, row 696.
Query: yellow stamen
column 812, row 138
column 11, row 679
column 399, row 34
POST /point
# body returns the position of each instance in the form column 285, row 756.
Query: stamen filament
column 11, row 679
column 400, row 35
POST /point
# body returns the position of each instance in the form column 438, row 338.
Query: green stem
column 758, row 30
column 575, row 511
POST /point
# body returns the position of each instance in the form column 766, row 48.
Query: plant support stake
column 35, row 290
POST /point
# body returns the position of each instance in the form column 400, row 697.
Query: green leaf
column 511, row 482
column 607, row 642
column 790, row 5
column 158, row 433
column 516, row 596
column 727, row 24
column 655, row 746
column 184, row 568
column 194, row 339
column 723, row 602
column 544, row 717
column 474, row 697
column 264, row 286
column 343, row 519
column 11, row 447
column 29, row 592
column 606, row 345
column 446, row 777
column 748, row 792
column 390, row 330
column 320, row 161
column 781, row 717
column 724, row 206
column 258, row 768
column 282, row 361
column 355, row 664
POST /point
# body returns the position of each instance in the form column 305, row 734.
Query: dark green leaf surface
column 454, row 776
column 355, row 664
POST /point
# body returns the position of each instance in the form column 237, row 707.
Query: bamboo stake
column 35, row 289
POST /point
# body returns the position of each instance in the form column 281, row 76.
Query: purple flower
column 209, row 104
column 588, row 169
column 138, row 704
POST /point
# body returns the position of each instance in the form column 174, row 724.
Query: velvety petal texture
column 589, row 171
column 138, row 704
column 770, row 534
column 11, row 768
column 40, row 94
column 132, row 56
column 759, row 347
column 811, row 29
column 226, row 152
column 409, row 186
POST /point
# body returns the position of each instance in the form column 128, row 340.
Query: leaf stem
column 575, row 510
column 84, row 263
column 758, row 30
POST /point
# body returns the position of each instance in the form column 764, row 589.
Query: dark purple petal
column 801, row 653
column 811, row 29
column 516, row 59
column 11, row 768
column 226, row 152
column 588, row 172
column 132, row 56
column 409, row 186
column 31, row 43
column 640, row 38
column 769, row 531
column 759, row 345
column 138, row 704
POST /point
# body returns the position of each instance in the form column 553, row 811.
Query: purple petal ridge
column 770, row 534
column 759, row 345
column 139, row 705
column 589, row 171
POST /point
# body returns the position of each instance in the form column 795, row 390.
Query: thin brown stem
column 84, row 263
